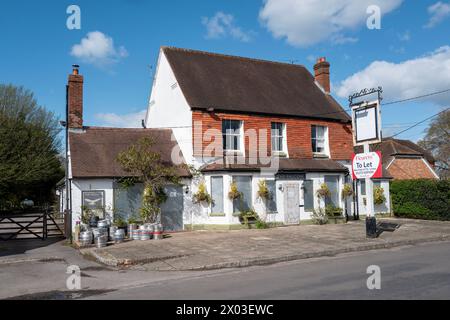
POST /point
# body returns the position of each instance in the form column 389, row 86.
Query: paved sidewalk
column 207, row 250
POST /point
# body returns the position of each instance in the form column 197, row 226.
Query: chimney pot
column 75, row 69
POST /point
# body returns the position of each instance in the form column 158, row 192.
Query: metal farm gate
column 31, row 225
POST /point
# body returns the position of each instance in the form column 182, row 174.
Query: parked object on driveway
column 144, row 235
column 86, row 238
column 119, row 236
column 151, row 229
column 101, row 241
column 103, row 224
column 99, row 232
column 158, row 232
column 136, row 234
column 131, row 228
column 112, row 231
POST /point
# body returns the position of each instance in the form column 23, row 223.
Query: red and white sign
column 367, row 165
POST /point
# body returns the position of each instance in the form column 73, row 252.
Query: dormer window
column 232, row 135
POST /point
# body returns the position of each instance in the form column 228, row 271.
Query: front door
column 291, row 204
column 172, row 209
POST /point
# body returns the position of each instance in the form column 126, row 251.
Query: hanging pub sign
column 367, row 165
column 366, row 119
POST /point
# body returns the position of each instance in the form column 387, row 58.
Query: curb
column 109, row 260
column 26, row 260
column 309, row 255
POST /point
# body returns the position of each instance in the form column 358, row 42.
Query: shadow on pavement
column 13, row 247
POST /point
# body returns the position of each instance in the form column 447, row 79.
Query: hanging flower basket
column 202, row 195
column 347, row 191
column 234, row 193
column 263, row 190
column 323, row 191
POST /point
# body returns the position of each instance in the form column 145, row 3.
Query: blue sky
column 408, row 56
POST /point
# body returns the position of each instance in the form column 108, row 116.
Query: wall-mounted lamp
column 280, row 187
column 210, row 109
column 186, row 189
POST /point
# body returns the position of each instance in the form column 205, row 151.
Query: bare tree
column 437, row 141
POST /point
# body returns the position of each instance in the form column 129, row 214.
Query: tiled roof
column 391, row 148
column 94, row 150
column 244, row 85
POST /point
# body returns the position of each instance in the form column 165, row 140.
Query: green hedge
column 421, row 199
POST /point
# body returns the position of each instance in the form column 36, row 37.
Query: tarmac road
column 418, row 272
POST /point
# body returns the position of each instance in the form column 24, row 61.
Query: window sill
column 280, row 154
column 321, row 155
column 217, row 214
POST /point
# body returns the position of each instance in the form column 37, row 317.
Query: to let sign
column 367, row 165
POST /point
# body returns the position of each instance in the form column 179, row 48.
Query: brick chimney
column 75, row 99
column 322, row 73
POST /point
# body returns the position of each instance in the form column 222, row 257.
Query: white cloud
column 410, row 78
column 438, row 12
column 98, row 49
column 302, row 24
column 130, row 120
column 222, row 25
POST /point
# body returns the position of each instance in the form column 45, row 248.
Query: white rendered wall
column 79, row 185
column 200, row 214
column 169, row 109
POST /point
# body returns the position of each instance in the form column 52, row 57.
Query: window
column 363, row 187
column 244, row 185
column 217, row 194
column 272, row 201
column 318, row 139
column 308, row 195
column 278, row 137
column 333, row 184
column 231, row 132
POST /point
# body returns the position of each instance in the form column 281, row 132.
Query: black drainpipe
column 355, row 199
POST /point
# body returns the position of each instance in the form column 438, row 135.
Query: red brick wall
column 75, row 101
column 298, row 133
column 404, row 169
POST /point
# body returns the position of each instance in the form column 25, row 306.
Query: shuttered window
column 217, row 194
column 308, row 195
column 244, row 185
